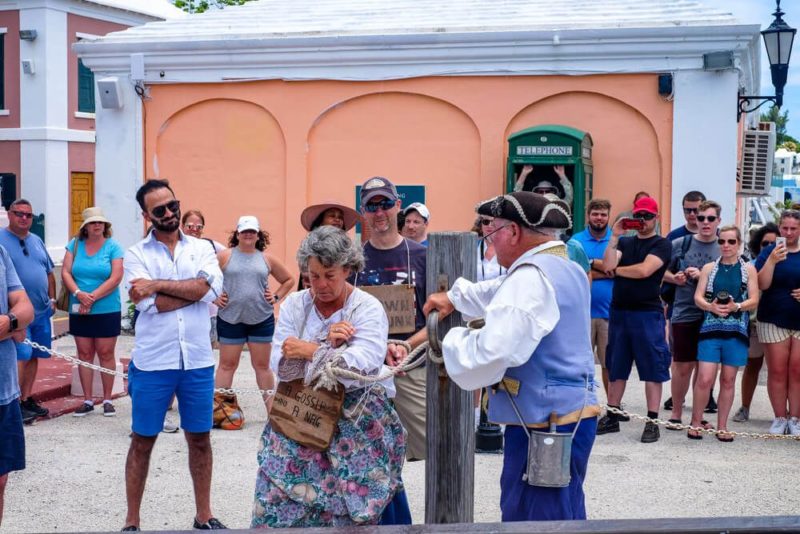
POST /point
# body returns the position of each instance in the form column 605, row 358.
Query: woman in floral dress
column 354, row 480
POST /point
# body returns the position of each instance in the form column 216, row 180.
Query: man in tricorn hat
column 535, row 347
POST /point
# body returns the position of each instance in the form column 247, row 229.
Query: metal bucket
column 548, row 459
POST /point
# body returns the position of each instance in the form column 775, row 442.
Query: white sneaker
column 794, row 426
column 779, row 425
column 169, row 426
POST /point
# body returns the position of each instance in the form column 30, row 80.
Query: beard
column 598, row 229
column 168, row 225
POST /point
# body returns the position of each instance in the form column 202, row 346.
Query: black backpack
column 668, row 290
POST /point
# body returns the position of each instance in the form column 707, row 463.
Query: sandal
column 694, row 434
column 705, row 424
column 725, row 437
column 671, row 424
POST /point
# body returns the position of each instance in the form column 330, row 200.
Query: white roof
column 162, row 9
column 310, row 18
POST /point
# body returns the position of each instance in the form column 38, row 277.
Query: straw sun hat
column 93, row 214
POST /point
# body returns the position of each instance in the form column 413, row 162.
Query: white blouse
column 366, row 350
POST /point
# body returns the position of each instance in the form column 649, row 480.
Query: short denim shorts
column 239, row 333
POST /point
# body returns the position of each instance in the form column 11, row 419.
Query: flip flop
column 671, row 422
column 705, row 424
column 693, row 434
column 725, row 438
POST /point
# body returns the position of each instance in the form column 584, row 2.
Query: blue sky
column 760, row 12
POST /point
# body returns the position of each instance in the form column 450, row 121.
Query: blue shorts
column 520, row 501
column 12, row 444
column 728, row 351
column 151, row 394
column 637, row 336
column 40, row 332
column 239, row 333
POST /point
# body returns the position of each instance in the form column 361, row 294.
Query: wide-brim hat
column 93, row 214
column 527, row 209
column 311, row 213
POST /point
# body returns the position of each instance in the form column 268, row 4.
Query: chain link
column 113, row 372
column 702, row 430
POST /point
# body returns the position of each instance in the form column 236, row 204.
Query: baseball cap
column 420, row 208
column 647, row 204
column 247, row 222
column 378, row 186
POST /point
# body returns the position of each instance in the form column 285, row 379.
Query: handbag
column 62, row 302
column 228, row 415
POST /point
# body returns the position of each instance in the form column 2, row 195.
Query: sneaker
column 668, row 404
column 212, row 524
column 32, row 406
column 622, row 418
column 169, row 427
column 793, row 428
column 108, row 410
column 651, row 433
column 27, row 415
column 711, row 407
column 779, row 425
column 607, row 425
column 85, row 409
column 742, row 415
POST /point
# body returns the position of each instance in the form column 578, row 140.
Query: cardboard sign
column 306, row 416
column 400, row 304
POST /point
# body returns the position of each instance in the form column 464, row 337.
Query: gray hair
column 331, row 247
column 20, row 202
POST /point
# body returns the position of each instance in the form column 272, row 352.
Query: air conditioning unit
column 758, row 156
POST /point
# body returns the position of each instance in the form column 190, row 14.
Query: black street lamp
column 778, row 39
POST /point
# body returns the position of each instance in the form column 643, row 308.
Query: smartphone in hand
column 780, row 241
column 632, row 224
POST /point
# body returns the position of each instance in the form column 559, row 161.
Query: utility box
column 546, row 146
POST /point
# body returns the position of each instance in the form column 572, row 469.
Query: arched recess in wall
column 410, row 138
column 627, row 157
column 227, row 158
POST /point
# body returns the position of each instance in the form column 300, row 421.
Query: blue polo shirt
column 33, row 264
column 601, row 289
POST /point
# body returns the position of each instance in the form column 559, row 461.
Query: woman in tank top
column 246, row 303
column 727, row 292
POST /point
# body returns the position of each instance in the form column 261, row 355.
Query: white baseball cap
column 247, row 222
column 420, row 208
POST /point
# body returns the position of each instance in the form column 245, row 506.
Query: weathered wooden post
column 450, row 431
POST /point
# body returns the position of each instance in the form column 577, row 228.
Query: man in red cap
column 636, row 319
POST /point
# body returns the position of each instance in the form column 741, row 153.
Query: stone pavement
column 75, row 476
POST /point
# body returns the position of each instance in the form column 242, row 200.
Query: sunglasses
column 644, row 215
column 728, row 241
column 174, row 206
column 704, row 218
column 194, row 227
column 766, row 243
column 687, row 211
column 22, row 214
column 384, row 205
column 24, row 247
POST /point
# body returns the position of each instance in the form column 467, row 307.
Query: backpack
column 668, row 290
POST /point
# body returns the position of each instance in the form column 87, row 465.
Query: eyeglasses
column 728, row 241
column 384, row 205
column 485, row 222
column 24, row 247
column 644, row 215
column 22, row 214
column 173, row 206
column 766, row 243
column 194, row 227
column 704, row 218
column 488, row 237
column 688, row 211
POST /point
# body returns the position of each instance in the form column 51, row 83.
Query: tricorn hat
column 527, row 209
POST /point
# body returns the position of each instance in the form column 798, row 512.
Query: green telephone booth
column 546, row 146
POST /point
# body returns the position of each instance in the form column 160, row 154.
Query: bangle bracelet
column 76, row 293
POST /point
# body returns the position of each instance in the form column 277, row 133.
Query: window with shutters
column 85, row 88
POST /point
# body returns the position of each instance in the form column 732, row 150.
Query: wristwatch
column 76, row 293
column 276, row 298
column 13, row 322
column 738, row 307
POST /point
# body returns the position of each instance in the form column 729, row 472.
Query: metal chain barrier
column 702, row 430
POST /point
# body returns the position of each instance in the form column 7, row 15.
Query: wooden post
column 450, row 428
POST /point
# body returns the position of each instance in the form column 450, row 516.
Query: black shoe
column 27, row 415
column 711, row 407
column 212, row 524
column 651, row 433
column 668, row 404
column 622, row 418
column 607, row 425
column 32, row 406
column 130, row 528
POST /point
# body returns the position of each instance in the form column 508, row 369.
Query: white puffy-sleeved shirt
column 176, row 339
column 366, row 350
column 520, row 309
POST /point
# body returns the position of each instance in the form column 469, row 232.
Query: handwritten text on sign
column 305, row 415
column 400, row 305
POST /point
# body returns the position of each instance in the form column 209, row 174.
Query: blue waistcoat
column 555, row 376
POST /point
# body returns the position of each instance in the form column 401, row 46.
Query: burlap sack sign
column 399, row 302
column 305, row 415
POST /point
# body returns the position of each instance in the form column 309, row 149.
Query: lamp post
column 778, row 40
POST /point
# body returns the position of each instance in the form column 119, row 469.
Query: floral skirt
column 349, row 484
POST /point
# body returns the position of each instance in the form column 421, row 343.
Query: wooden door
column 81, row 197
